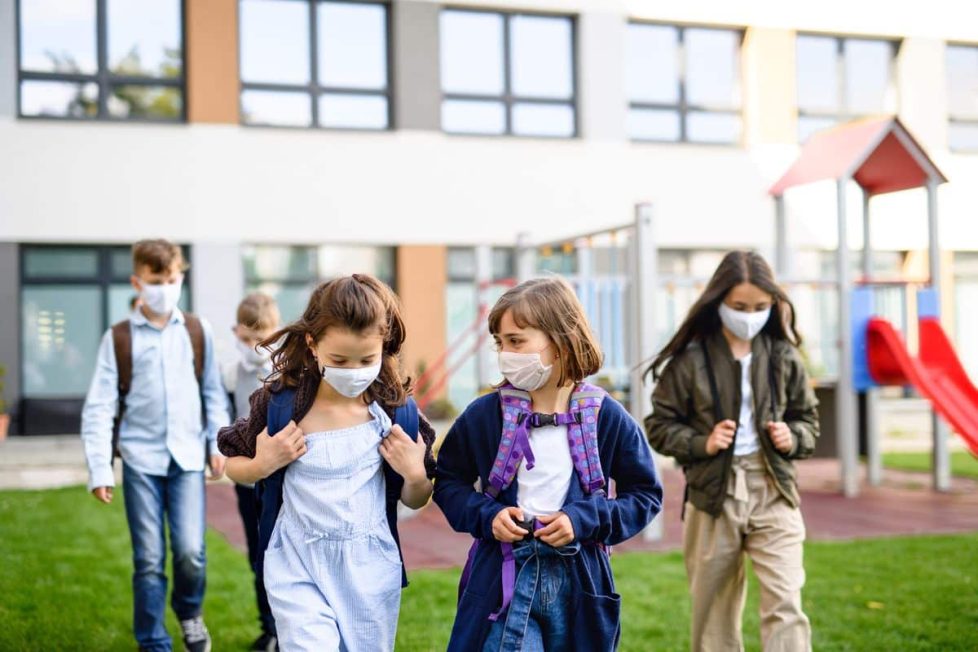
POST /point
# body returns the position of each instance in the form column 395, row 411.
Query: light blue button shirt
column 163, row 412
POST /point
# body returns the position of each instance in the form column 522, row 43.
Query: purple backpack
column 514, row 448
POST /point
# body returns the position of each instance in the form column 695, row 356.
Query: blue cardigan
column 467, row 454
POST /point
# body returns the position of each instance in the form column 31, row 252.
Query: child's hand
column 103, row 494
column 780, row 435
column 216, row 464
column 721, row 437
column 504, row 527
column 559, row 530
column 272, row 453
column 404, row 455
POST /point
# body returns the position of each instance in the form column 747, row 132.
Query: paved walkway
column 903, row 505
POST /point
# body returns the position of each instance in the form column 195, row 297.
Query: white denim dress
column 332, row 569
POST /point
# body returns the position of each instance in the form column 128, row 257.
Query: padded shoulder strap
column 406, row 416
column 280, row 410
column 122, row 345
column 197, row 343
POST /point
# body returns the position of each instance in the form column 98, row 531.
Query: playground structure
column 881, row 156
column 634, row 306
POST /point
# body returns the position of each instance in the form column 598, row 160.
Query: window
column 962, row 97
column 683, row 84
column 101, row 59
column 312, row 63
column 840, row 79
column 290, row 273
column 69, row 296
column 507, row 74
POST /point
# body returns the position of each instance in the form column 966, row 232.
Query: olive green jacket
column 683, row 413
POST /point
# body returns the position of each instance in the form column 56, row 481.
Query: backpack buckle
column 539, row 420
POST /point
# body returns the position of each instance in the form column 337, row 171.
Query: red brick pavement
column 903, row 505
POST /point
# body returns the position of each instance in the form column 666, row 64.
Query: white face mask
column 351, row 382
column 744, row 325
column 161, row 298
column 250, row 357
column 524, row 370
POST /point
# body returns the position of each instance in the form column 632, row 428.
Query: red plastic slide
column 937, row 374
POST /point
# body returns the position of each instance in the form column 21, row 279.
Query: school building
column 287, row 141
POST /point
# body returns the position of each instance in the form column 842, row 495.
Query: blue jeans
column 150, row 500
column 539, row 617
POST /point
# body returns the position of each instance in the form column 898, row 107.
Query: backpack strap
column 122, row 346
column 406, row 416
column 268, row 492
column 582, row 433
column 514, row 446
column 197, row 343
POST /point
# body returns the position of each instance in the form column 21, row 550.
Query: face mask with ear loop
column 745, row 325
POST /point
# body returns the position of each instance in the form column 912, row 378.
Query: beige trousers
column 758, row 521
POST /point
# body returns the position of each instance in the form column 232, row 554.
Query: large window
column 683, row 83
column 840, row 79
column 507, row 74
column 103, row 59
column 69, row 296
column 309, row 63
column 290, row 273
column 962, row 97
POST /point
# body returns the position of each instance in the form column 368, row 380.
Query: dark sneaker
column 265, row 643
column 196, row 638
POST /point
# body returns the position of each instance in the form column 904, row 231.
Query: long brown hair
column 359, row 303
column 703, row 319
column 550, row 305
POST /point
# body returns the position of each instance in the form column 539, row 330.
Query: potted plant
column 4, row 417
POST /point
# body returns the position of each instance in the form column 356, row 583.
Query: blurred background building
column 287, row 141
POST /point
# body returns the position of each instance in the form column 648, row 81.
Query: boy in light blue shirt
column 157, row 379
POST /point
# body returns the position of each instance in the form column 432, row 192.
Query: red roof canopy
column 878, row 153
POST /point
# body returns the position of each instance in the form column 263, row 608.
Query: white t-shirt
column 543, row 490
column 746, row 442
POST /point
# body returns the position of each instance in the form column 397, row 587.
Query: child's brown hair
column 159, row 255
column 258, row 311
column 550, row 305
column 359, row 303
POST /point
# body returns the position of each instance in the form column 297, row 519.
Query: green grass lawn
column 65, row 585
column 963, row 463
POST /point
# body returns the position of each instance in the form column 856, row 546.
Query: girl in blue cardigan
column 543, row 448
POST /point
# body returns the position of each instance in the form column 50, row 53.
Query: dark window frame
column 971, row 121
column 104, row 79
column 508, row 99
column 314, row 89
column 844, row 114
column 684, row 107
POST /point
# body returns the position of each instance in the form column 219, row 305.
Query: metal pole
column 940, row 431
column 644, row 260
column 780, row 239
column 874, row 456
column 483, row 279
column 845, row 399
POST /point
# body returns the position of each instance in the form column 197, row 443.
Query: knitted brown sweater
column 239, row 438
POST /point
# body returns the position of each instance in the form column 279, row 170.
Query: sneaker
column 265, row 643
column 196, row 638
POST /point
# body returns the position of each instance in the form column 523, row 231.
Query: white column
column 644, row 260
column 940, row 431
column 874, row 457
column 218, row 285
column 845, row 399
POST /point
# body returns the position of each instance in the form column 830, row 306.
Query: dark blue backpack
column 269, row 490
